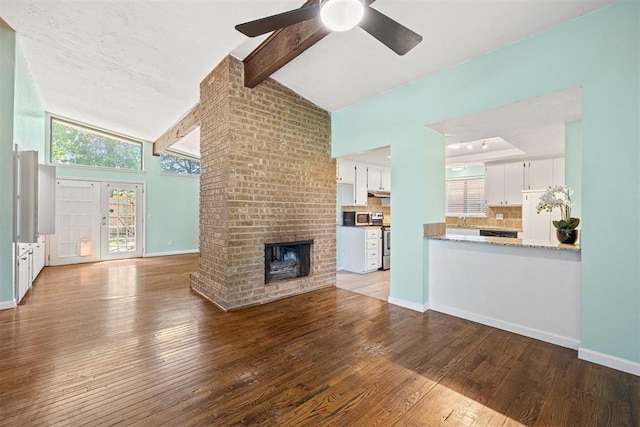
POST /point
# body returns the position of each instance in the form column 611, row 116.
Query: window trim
column 99, row 131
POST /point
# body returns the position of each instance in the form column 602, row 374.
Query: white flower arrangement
column 559, row 197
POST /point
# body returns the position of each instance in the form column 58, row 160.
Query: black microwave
column 356, row 218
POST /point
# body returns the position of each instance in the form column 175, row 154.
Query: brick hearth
column 267, row 177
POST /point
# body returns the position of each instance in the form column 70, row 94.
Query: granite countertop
column 505, row 241
column 484, row 227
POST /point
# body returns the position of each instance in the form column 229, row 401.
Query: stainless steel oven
column 386, row 248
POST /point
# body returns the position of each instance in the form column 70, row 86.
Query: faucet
column 463, row 220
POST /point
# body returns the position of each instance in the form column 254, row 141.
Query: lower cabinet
column 361, row 249
column 30, row 262
column 23, row 273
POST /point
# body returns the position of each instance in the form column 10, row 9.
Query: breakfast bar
column 530, row 287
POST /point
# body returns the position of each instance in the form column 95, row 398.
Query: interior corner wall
column 7, row 85
column 599, row 52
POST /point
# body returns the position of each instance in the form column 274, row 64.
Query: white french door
column 96, row 221
column 121, row 220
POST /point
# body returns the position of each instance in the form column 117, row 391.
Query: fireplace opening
column 286, row 260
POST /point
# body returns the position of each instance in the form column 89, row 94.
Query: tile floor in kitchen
column 374, row 284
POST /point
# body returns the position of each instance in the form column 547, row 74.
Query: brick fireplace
column 267, row 178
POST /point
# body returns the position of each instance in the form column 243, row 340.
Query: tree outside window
column 73, row 144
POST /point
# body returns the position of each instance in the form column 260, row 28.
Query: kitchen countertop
column 505, row 241
column 484, row 227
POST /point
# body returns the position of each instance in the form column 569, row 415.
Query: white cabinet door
column 539, row 174
column 373, row 178
column 537, row 226
column 513, row 183
column 346, row 172
column 23, row 274
column 494, row 184
column 503, row 184
column 558, row 171
column 37, row 258
column 385, row 179
column 360, row 186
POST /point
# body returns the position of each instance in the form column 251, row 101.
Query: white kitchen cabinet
column 346, row 172
column 538, row 174
column 374, row 175
column 23, row 271
column 355, row 194
column 544, row 173
column 378, row 178
column 37, row 258
column 504, row 184
column 385, row 179
column 361, row 249
column 537, row 226
column 558, row 171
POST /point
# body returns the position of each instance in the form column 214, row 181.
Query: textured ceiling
column 134, row 66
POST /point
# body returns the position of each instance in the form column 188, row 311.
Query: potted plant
column 560, row 197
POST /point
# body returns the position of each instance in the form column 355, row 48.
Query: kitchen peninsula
column 529, row 287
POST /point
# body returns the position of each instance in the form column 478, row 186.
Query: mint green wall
column 172, row 203
column 7, row 78
column 468, row 171
column 28, row 120
column 573, row 169
column 598, row 52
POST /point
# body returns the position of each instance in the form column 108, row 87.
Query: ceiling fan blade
column 395, row 36
column 281, row 20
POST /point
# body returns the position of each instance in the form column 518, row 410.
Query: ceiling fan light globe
column 341, row 15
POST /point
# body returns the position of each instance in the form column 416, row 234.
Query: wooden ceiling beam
column 282, row 47
column 182, row 128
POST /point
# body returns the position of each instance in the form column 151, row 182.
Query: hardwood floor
column 374, row 284
column 127, row 342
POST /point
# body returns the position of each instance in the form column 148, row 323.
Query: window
column 75, row 144
column 465, row 196
column 179, row 165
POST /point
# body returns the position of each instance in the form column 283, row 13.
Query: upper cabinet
column 346, row 172
column 504, row 184
column 544, row 173
column 558, row 171
column 355, row 176
column 378, row 178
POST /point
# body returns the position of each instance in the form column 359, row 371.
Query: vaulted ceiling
column 134, row 66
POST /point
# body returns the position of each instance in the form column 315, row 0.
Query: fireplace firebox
column 286, row 260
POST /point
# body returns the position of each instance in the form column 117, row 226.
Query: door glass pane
column 122, row 220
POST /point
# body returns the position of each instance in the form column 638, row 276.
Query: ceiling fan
column 340, row 15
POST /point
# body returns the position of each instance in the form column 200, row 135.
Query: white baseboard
column 511, row 327
column 188, row 251
column 409, row 304
column 4, row 305
column 609, row 361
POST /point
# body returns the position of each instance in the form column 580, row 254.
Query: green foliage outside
column 179, row 165
column 72, row 145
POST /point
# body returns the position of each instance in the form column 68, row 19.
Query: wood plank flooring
column 374, row 284
column 126, row 342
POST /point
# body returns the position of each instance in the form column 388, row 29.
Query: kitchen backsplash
column 374, row 204
column 511, row 218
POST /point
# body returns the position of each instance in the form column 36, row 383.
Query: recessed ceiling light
column 469, row 147
column 453, row 146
